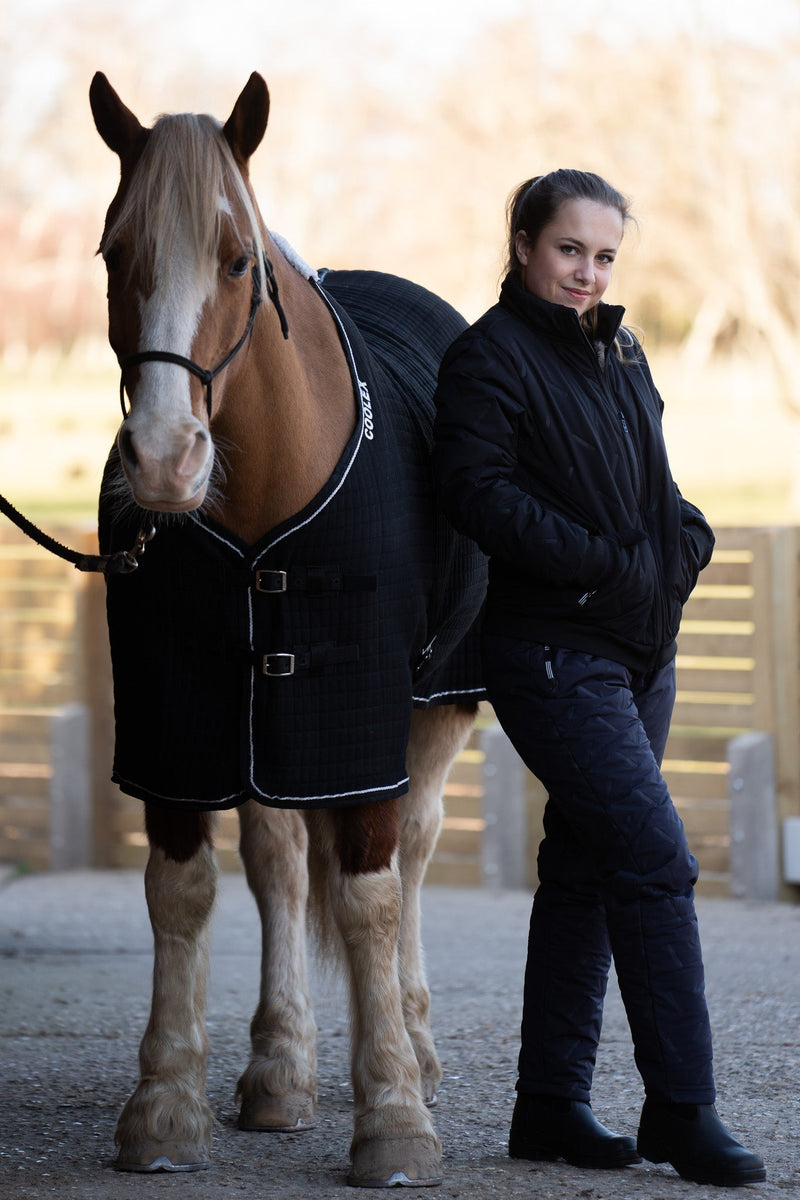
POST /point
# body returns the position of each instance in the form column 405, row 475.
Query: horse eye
column 239, row 267
column 112, row 258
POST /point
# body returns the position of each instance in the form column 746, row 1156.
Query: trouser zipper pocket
column 549, row 669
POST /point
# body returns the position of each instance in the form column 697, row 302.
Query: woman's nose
column 584, row 270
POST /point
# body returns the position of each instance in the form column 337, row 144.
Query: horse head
column 183, row 245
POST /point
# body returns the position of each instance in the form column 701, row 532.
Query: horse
column 284, row 645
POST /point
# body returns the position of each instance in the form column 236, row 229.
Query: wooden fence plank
column 734, row 574
column 696, row 745
column 718, row 679
column 708, row 712
column 700, row 640
column 696, row 787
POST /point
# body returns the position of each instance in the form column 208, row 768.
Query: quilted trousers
column 616, row 876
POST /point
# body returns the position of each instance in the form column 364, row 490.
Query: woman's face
column 571, row 261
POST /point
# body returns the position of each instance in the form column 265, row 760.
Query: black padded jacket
column 549, row 452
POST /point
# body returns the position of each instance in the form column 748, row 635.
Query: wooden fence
column 738, row 667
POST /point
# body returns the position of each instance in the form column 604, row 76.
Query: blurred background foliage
column 394, row 146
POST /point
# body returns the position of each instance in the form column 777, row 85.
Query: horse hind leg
column 437, row 735
column 166, row 1124
column 357, row 885
column 277, row 1091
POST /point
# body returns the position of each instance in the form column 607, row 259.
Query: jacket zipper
column 633, row 455
column 630, row 446
column 659, row 597
column 637, row 477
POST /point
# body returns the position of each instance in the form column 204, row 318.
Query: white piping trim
column 215, row 805
column 362, row 392
column 333, row 795
column 452, row 692
column 208, row 805
column 201, row 524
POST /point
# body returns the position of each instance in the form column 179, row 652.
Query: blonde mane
column 186, row 179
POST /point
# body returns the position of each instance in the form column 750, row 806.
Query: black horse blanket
column 286, row 671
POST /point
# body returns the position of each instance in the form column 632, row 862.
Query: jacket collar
column 558, row 321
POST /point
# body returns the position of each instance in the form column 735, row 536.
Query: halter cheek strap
column 208, row 377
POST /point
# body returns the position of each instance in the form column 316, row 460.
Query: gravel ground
column 74, row 999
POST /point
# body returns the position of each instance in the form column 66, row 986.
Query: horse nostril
column 126, row 447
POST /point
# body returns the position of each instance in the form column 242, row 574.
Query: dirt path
column 76, row 960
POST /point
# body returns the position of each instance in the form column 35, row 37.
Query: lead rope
column 122, row 562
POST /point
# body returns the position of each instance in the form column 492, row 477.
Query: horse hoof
column 385, row 1162
column 278, row 1114
column 169, row 1156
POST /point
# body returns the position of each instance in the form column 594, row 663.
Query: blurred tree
column 413, row 179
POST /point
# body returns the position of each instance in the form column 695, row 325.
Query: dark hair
column 536, row 202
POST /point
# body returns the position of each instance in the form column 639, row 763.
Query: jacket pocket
column 690, row 567
column 632, row 606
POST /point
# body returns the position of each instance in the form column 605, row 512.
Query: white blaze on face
column 166, row 450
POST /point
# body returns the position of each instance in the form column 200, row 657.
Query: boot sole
column 625, row 1158
column 715, row 1179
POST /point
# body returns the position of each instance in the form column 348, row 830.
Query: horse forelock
column 182, row 190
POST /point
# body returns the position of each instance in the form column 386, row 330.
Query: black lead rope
column 120, row 563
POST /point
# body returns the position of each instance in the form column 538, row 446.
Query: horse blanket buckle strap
column 271, row 581
column 278, row 664
column 283, row 663
column 313, row 580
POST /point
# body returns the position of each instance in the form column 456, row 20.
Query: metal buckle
column 280, row 663
column 270, row 581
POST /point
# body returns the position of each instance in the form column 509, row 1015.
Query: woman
column 549, row 453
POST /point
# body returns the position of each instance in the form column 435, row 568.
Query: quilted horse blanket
column 287, row 671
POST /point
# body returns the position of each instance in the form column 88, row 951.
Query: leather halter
column 207, row 377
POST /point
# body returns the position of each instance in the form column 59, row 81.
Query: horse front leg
column 166, row 1124
column 437, row 735
column 278, row 1088
column 394, row 1141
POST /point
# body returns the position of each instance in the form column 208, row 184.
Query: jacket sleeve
column 479, row 411
column 697, row 543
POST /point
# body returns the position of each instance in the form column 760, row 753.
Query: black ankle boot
column 544, row 1128
column 693, row 1139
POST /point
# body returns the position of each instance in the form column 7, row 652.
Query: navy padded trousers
column 616, row 876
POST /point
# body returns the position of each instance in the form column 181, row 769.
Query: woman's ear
column 522, row 246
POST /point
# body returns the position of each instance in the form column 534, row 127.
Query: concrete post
column 753, row 817
column 70, row 790
column 505, row 838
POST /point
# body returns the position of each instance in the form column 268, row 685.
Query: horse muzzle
column 167, row 473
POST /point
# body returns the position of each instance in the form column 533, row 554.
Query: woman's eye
column 239, row 267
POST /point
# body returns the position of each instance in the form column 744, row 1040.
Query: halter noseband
column 207, row 377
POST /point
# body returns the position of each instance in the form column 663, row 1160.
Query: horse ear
column 247, row 124
column 116, row 124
